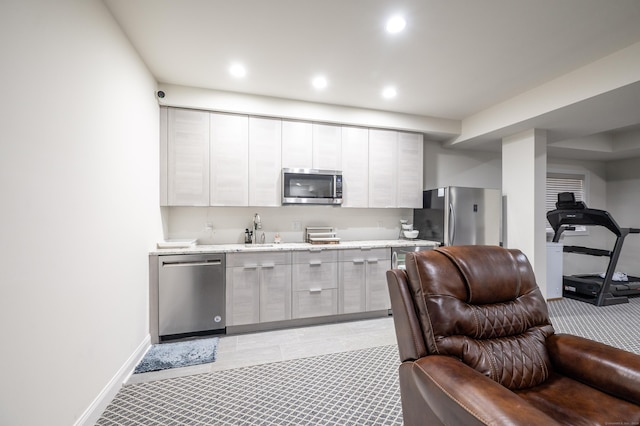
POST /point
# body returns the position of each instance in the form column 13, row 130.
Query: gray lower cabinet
column 258, row 287
column 362, row 280
column 264, row 287
column 315, row 283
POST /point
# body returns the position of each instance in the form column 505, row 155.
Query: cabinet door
column 187, row 157
column 377, row 291
column 297, row 144
column 275, row 293
column 352, row 285
column 382, row 168
column 355, row 167
column 229, row 160
column 243, row 295
column 327, row 147
column 410, row 159
column 265, row 162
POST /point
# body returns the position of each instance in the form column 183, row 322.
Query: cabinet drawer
column 314, row 303
column 374, row 254
column 264, row 258
column 315, row 277
column 315, row 255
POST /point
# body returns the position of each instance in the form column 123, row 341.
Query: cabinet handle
column 250, row 266
column 315, row 290
column 372, row 260
column 268, row 265
column 358, row 260
column 315, row 262
column 199, row 263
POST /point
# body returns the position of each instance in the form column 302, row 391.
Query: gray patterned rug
column 349, row 388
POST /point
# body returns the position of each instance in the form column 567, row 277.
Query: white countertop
column 234, row 248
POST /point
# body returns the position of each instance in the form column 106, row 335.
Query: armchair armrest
column 458, row 394
column 601, row 366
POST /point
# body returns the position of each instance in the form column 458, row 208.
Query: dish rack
column 321, row 235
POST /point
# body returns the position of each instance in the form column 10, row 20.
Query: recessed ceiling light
column 395, row 24
column 319, row 82
column 238, row 70
column 389, row 92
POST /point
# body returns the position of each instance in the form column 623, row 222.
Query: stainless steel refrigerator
column 460, row 216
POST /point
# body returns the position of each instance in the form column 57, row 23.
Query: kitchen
column 286, row 168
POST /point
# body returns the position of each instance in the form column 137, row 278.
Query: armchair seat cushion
column 570, row 402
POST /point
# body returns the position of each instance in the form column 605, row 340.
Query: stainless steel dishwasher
column 191, row 295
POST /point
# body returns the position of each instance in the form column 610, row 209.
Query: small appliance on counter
column 321, row 235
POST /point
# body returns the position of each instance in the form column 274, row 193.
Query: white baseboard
column 97, row 407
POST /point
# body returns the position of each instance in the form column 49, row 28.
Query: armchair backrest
column 481, row 304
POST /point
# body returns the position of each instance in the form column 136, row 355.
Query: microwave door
column 306, row 187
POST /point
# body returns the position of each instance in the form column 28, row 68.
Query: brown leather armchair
column 477, row 347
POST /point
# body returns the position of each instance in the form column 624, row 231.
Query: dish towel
column 617, row 276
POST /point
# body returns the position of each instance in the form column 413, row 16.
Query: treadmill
column 592, row 288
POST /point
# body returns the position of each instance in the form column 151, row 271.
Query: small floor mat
column 178, row 354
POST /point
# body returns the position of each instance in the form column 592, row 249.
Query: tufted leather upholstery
column 478, row 347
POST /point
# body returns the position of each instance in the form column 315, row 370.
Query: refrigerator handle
column 394, row 260
column 452, row 224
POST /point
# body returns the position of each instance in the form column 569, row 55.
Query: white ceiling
column 454, row 59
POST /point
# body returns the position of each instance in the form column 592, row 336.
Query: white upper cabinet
column 220, row 159
column 410, row 186
column 229, row 136
column 327, row 147
column 355, row 167
column 383, row 146
column 187, row 157
column 297, row 144
column 265, row 164
column 311, row 145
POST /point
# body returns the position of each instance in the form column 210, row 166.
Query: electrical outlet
column 297, row 226
column 208, row 226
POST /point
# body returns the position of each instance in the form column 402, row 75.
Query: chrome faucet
column 257, row 224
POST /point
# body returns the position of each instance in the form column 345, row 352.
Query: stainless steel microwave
column 311, row 186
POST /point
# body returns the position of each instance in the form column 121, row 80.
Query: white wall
column 455, row 167
column 623, row 202
column 79, row 185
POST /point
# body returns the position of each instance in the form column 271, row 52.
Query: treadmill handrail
column 586, row 250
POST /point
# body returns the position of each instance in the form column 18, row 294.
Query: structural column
column 524, row 178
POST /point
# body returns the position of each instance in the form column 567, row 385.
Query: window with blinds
column 564, row 182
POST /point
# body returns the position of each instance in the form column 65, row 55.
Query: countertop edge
column 242, row 248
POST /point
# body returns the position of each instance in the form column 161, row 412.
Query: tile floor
column 272, row 346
